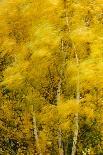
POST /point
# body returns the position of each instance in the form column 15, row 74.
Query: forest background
column 51, row 77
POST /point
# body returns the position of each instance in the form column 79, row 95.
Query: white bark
column 59, row 91
column 76, row 118
column 36, row 132
column 61, row 152
column 59, row 132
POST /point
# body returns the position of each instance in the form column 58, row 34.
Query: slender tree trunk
column 59, row 98
column 76, row 118
column 65, row 146
column 61, row 151
column 35, row 132
column 59, row 132
column 78, row 91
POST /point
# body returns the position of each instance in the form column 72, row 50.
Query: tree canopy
column 51, row 77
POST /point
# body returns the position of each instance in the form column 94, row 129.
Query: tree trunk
column 76, row 119
column 78, row 89
column 59, row 132
column 35, row 132
column 61, row 152
column 59, row 98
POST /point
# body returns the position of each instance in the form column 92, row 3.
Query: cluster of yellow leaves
column 7, row 110
column 67, row 108
column 88, row 112
column 82, row 34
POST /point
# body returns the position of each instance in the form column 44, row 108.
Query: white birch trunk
column 76, row 118
column 59, row 100
column 35, row 132
column 59, row 132
column 61, row 152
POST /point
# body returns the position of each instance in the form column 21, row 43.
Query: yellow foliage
column 65, row 126
column 82, row 34
column 54, row 2
column 30, row 34
column 7, row 109
column 67, row 108
column 41, row 53
column 13, row 81
column 88, row 112
column 97, row 48
column 99, row 2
